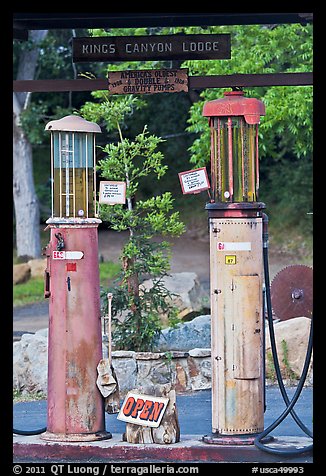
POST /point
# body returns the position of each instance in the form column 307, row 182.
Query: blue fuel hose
column 289, row 404
column 29, row 432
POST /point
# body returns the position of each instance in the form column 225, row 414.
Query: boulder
column 30, row 362
column 189, row 294
column 186, row 335
column 21, row 273
column 291, row 338
column 37, row 267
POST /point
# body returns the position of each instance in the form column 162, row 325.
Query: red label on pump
column 71, row 266
column 58, row 255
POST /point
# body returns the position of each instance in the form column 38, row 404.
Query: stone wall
column 189, row 370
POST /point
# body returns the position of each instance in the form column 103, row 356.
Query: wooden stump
column 168, row 431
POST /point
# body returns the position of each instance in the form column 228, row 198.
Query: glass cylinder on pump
column 73, row 167
column 234, row 123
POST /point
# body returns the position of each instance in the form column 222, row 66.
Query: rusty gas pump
column 75, row 405
column 236, row 270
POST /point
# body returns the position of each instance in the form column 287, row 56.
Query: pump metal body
column 236, row 271
column 75, row 405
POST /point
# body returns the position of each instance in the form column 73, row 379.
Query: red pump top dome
column 235, row 103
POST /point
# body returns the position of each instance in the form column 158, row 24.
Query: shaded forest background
column 285, row 148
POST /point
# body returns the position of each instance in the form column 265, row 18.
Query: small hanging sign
column 112, row 193
column 146, row 410
column 149, row 81
column 194, row 181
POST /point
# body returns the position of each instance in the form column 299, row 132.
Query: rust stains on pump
column 81, row 414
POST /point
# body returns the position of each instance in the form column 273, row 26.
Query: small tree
column 142, row 256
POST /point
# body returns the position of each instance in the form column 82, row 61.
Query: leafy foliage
column 142, row 256
column 285, row 133
column 287, row 125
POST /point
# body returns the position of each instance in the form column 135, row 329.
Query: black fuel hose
column 290, row 404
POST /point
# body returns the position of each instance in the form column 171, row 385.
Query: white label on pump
column 234, row 246
column 67, row 254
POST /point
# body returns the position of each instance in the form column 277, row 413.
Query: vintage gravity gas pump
column 75, row 405
column 236, row 270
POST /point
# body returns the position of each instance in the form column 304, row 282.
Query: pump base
column 76, row 437
column 218, row 439
column 235, row 209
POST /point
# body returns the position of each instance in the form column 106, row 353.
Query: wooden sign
column 194, row 181
column 146, row 410
column 149, row 81
column 153, row 47
column 112, row 193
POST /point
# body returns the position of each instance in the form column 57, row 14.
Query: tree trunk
column 26, row 204
column 25, row 200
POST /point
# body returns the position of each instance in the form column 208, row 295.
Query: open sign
column 146, row 410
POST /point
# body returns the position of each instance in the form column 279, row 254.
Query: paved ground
column 194, row 412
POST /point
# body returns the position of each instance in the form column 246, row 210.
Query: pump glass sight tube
column 73, row 174
column 235, row 176
column 73, row 167
column 234, row 121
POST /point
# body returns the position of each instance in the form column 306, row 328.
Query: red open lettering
column 139, row 405
column 146, row 410
column 127, row 409
column 157, row 408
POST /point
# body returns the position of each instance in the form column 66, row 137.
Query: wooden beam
column 40, row 21
column 195, row 82
column 251, row 80
column 59, row 85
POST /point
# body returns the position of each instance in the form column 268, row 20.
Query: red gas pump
column 75, row 405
